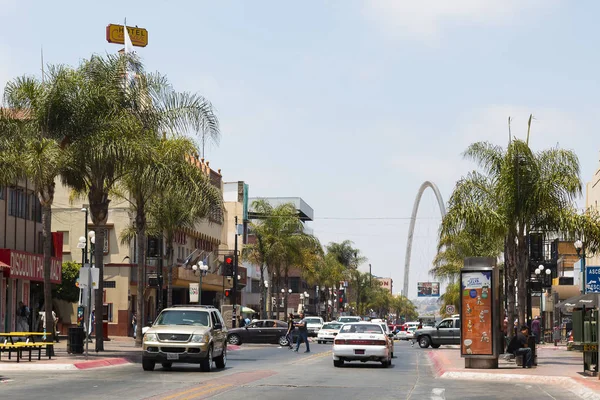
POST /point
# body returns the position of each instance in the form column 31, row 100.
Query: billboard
column 476, row 306
column 428, row 289
column 592, row 279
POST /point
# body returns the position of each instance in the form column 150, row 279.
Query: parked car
column 186, row 334
column 446, row 332
column 328, row 332
column 347, row 319
column 261, row 331
column 362, row 341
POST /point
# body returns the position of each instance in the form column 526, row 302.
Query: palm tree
column 326, row 272
column 168, row 164
column 32, row 126
column 178, row 207
column 119, row 115
column 518, row 191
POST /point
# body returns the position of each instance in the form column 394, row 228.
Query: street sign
column 450, row 309
column 194, row 288
column 138, row 36
column 592, row 279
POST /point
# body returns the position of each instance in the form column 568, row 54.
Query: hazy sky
column 350, row 104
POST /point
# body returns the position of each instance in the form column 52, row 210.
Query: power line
column 375, row 218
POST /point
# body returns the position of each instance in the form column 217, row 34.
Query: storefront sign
column 30, row 266
column 592, row 279
column 476, row 302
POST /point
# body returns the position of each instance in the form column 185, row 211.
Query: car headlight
column 201, row 338
column 150, row 337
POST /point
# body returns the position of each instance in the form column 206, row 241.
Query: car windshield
column 348, row 319
column 181, row 317
column 313, row 320
column 361, row 328
column 332, row 326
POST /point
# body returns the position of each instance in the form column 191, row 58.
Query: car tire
column 386, row 363
column 435, row 346
column 206, row 364
column 148, row 365
column 338, row 363
column 221, row 361
column 424, row 342
column 234, row 339
column 283, row 341
column 167, row 365
column 318, row 341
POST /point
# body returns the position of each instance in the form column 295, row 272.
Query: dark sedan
column 262, row 331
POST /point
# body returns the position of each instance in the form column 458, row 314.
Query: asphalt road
column 268, row 372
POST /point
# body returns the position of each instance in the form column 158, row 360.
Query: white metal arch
column 411, row 228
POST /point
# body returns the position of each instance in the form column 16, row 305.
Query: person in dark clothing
column 303, row 334
column 241, row 321
column 290, row 329
column 518, row 347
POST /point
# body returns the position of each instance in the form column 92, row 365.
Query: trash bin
column 75, row 339
column 531, row 344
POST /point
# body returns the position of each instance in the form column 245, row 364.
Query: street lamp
column 306, row 297
column 580, row 248
column 201, row 268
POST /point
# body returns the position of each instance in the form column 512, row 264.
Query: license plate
column 172, row 356
column 359, row 352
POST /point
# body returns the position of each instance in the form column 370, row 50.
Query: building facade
column 21, row 255
column 120, row 263
column 386, row 283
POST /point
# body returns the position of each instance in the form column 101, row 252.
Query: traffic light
column 228, row 266
column 227, row 292
column 341, row 296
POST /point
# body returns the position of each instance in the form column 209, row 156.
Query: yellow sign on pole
column 115, row 34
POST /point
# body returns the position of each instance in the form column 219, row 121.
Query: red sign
column 30, row 266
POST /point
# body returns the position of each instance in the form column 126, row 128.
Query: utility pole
column 235, row 274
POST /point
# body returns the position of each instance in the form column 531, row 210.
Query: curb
column 107, row 362
column 571, row 384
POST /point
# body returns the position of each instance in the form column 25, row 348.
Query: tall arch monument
column 411, row 228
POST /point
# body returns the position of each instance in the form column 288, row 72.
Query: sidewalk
column 117, row 351
column 556, row 366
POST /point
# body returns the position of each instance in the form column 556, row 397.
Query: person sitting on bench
column 518, row 347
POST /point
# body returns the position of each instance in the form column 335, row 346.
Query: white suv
column 313, row 325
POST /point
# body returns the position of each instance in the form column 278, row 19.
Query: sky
column 350, row 104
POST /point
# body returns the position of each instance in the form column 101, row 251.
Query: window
column 445, row 324
column 257, row 324
column 40, row 243
column 66, row 246
column 295, row 285
column 16, row 203
column 214, row 318
column 110, row 284
column 35, row 207
column 255, row 286
column 2, row 190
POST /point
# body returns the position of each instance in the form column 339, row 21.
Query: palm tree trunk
column 47, row 235
column 263, row 293
column 510, row 268
column 170, row 276
column 99, row 306
column 140, row 223
column 522, row 277
column 285, row 294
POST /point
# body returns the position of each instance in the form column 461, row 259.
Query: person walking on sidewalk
column 536, row 326
column 288, row 335
column 518, row 346
column 302, row 334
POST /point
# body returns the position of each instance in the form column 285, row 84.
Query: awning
column 5, row 269
column 589, row 300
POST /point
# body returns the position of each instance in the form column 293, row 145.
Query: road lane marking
column 195, row 395
column 179, row 394
column 312, row 358
column 438, row 394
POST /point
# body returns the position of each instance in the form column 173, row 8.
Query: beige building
column 385, row 283
column 120, row 273
column 592, row 200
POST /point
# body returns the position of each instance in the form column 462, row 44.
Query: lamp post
column 201, row 268
column 580, row 248
column 306, row 299
column 267, row 298
column 539, row 273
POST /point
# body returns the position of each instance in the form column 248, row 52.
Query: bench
column 18, row 346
